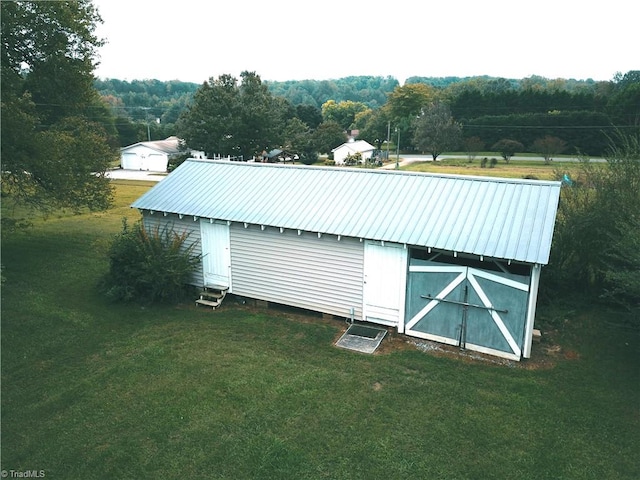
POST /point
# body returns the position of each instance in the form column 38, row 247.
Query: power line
column 553, row 127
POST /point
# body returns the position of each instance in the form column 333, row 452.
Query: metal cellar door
column 472, row 308
column 216, row 253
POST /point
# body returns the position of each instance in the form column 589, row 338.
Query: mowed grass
column 95, row 390
column 532, row 169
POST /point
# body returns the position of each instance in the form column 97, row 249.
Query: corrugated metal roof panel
column 494, row 217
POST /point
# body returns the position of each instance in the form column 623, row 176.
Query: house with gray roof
column 153, row 156
column 449, row 258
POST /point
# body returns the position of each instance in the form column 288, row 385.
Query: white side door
column 216, row 254
column 384, row 283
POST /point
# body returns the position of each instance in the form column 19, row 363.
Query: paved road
column 409, row 159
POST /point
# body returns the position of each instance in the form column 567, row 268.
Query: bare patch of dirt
column 545, row 354
column 393, row 342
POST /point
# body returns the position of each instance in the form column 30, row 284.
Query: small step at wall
column 212, row 296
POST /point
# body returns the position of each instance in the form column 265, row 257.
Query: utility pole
column 146, row 117
column 398, row 150
column 388, row 134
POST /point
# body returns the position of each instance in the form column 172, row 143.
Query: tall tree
column 328, row 136
column 210, row 122
column 310, row 115
column 374, row 126
column 258, row 114
column 230, row 119
column 343, row 113
column 297, row 138
column 55, row 141
column 404, row 104
column 409, row 100
column 436, row 131
column 624, row 103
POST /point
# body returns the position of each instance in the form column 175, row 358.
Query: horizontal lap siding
column 179, row 226
column 321, row 274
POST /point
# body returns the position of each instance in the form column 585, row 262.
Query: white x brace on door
column 475, row 309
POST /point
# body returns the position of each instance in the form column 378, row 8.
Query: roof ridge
column 459, row 176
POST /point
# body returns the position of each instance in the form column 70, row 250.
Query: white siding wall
column 320, row 274
column 180, row 226
column 140, row 157
column 340, row 154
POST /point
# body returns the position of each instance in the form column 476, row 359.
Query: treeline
column 582, row 113
column 480, row 95
column 493, row 83
column 369, row 90
column 140, row 99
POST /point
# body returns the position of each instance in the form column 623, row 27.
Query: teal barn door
column 469, row 307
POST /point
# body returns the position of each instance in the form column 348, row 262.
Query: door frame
column 216, row 253
column 385, row 266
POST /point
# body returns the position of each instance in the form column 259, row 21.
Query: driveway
column 120, row 174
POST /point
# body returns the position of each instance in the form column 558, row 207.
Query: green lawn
column 515, row 169
column 94, row 390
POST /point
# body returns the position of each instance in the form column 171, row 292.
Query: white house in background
column 152, row 156
column 351, row 148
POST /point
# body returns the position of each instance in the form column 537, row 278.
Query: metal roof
column 356, row 146
column 492, row 217
column 170, row 145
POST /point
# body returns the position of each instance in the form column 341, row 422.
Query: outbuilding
column 450, row 258
column 153, row 156
column 353, row 147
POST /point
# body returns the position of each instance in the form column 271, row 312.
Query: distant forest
column 138, row 99
column 581, row 112
column 165, row 100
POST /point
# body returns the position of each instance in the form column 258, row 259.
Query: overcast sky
column 193, row 40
